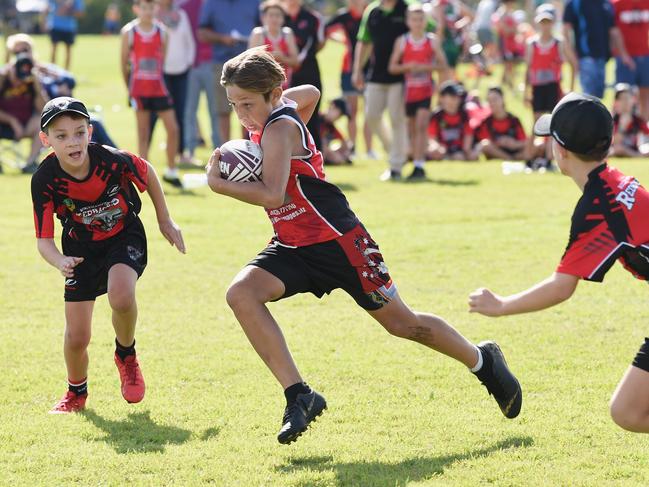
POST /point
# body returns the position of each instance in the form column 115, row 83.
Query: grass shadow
column 385, row 474
column 445, row 182
column 138, row 433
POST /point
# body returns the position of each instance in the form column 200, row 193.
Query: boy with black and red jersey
column 144, row 45
column 500, row 135
column 92, row 191
column 627, row 125
column 609, row 223
column 449, row 130
column 319, row 245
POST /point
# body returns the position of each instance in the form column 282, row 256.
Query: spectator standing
column 451, row 18
column 383, row 22
column 632, row 20
column 62, row 25
column 226, row 24
column 200, row 79
column 506, row 27
column 592, row 23
column 278, row 38
column 308, row 27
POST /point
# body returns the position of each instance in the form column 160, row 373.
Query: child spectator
column 544, row 58
column 335, row 148
column 278, row 38
column 415, row 55
column 62, row 25
column 451, row 136
column 144, row 43
column 112, row 19
column 627, row 126
column 510, row 50
column 501, row 135
column 452, row 18
column 91, row 190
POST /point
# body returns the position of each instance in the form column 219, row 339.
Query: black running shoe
column 298, row 415
column 499, row 380
column 417, row 174
column 173, row 180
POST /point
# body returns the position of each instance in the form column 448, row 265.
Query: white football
column 241, row 161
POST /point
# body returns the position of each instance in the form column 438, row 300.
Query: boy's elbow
column 274, row 201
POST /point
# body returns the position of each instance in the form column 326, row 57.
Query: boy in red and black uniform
column 91, row 189
column 627, row 126
column 609, row 223
column 501, row 134
column 450, row 134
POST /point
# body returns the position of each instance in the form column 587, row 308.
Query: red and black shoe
column 131, row 377
column 70, row 403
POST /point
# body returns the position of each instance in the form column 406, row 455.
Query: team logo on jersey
column 627, row 196
column 69, row 204
column 114, row 190
column 103, row 216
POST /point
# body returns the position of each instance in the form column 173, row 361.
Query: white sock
column 478, row 366
column 419, row 164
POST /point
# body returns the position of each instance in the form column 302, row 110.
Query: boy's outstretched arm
column 168, row 228
column 553, row 290
column 306, row 97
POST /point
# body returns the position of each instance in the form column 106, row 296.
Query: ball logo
column 241, row 161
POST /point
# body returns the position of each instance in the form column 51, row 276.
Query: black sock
column 80, row 388
column 291, row 392
column 123, row 351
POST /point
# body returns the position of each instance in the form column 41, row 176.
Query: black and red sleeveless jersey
column 492, row 128
column 314, row 210
column 609, row 223
column 631, row 132
column 449, row 129
column 94, row 208
column 348, row 20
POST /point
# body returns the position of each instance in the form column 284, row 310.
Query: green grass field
column 398, row 414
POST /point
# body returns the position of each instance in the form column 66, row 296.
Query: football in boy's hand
column 241, row 161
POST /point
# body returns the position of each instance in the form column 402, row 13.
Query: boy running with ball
column 609, row 223
column 90, row 189
column 319, row 245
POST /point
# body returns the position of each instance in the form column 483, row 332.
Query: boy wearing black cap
column 90, row 189
column 609, row 223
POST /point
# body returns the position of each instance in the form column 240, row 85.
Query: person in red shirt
column 91, row 190
column 450, row 135
column 609, row 223
column 627, row 126
column 279, row 39
column 632, row 21
column 319, row 245
column 501, row 134
column 415, row 55
column 510, row 49
column 144, row 43
column 335, row 147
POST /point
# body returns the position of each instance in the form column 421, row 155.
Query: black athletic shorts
column 91, row 276
column 64, row 36
column 413, row 106
column 152, row 103
column 351, row 262
column 545, row 97
column 641, row 360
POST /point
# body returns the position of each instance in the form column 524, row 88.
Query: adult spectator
column 383, row 22
column 593, row 26
column 308, row 28
column 21, row 100
column 201, row 79
column 226, row 24
column 62, row 25
column 632, row 19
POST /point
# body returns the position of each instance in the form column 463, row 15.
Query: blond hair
column 254, row 70
column 17, row 39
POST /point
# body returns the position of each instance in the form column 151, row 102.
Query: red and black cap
column 579, row 123
column 62, row 104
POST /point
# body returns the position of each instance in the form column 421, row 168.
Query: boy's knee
column 121, row 301
column 624, row 416
column 77, row 340
column 237, row 295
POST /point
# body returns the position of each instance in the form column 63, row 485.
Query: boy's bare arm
column 555, row 289
column 124, row 56
column 65, row 264
column 306, row 97
column 395, row 66
column 168, row 228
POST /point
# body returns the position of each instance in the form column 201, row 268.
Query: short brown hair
column 597, row 155
column 254, row 70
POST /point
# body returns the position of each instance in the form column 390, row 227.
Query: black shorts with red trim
column 91, row 276
column 412, row 107
column 545, row 97
column 641, row 360
column 351, row 262
column 152, row 103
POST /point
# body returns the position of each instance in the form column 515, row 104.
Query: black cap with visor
column 62, row 104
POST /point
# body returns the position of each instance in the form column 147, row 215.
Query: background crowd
column 420, row 62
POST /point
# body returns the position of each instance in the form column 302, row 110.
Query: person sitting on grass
column 609, row 223
column 627, row 126
column 336, row 148
column 319, row 245
column 501, row 134
column 450, row 134
column 90, row 189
